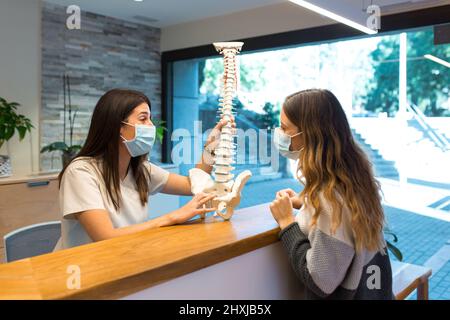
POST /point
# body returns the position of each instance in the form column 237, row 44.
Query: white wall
column 20, row 75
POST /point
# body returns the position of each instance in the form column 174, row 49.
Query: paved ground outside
column 420, row 237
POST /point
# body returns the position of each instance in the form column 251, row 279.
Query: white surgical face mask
column 143, row 139
column 283, row 143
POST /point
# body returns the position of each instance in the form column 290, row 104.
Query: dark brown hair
column 333, row 161
column 103, row 138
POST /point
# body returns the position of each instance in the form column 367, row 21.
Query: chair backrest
column 32, row 240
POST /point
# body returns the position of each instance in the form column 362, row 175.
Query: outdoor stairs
column 382, row 167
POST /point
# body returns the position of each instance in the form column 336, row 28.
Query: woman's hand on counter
column 294, row 196
column 193, row 208
column 282, row 210
column 99, row 226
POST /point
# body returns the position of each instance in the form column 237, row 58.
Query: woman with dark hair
column 335, row 243
column 104, row 190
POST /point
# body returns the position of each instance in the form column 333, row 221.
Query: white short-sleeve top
column 83, row 188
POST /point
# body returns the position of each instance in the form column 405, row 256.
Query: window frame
column 393, row 23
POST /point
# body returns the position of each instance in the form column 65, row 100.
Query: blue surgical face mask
column 143, row 141
column 283, row 141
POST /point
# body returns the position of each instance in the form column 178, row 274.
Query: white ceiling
column 163, row 13
column 166, row 12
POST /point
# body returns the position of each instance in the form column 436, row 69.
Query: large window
column 407, row 139
column 395, row 91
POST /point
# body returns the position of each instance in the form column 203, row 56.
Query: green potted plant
column 70, row 150
column 10, row 122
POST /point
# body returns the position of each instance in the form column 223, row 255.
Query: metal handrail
column 436, row 136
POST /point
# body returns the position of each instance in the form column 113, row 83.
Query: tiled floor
column 440, row 283
column 420, row 237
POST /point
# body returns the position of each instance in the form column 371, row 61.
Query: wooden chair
column 409, row 277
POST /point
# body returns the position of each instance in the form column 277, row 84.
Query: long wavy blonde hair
column 334, row 164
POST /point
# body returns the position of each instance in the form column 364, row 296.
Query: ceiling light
column 437, row 60
column 334, row 16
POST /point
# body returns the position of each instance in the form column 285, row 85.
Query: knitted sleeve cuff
column 292, row 235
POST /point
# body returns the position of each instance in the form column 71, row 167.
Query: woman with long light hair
column 335, row 243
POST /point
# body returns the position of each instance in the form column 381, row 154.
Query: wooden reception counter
column 202, row 259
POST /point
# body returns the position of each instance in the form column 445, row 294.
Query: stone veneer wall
column 105, row 53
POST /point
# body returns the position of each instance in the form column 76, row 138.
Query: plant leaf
column 395, row 251
column 394, row 236
column 160, row 134
column 10, row 121
column 73, row 148
column 9, row 133
column 22, row 130
column 14, row 105
column 2, row 132
column 55, row 146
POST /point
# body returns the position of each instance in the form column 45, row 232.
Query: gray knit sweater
column 328, row 265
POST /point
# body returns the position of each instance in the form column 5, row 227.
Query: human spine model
column 228, row 190
column 225, row 151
